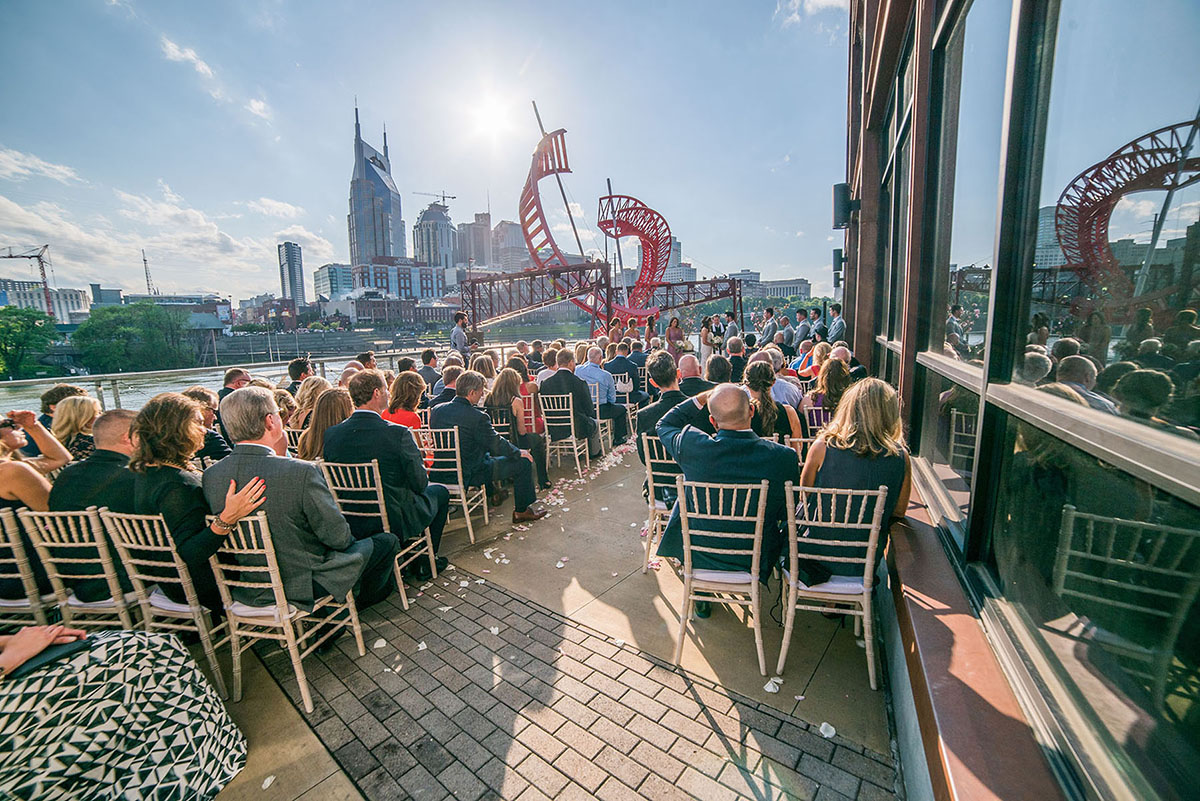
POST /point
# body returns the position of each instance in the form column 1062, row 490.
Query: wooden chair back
column 559, row 411
column 855, row 515
column 801, row 446
column 817, row 417
column 963, row 426
column 247, row 561
column 293, row 438
column 709, row 512
column 147, row 550
column 358, row 490
column 501, row 419
column 15, row 566
column 661, row 469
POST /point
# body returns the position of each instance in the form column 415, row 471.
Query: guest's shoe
column 421, row 571
column 545, row 485
column 703, row 609
column 529, row 515
column 498, row 498
column 329, row 644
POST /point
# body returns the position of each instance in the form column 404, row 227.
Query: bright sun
column 493, row 116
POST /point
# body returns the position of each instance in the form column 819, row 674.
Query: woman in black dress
column 770, row 416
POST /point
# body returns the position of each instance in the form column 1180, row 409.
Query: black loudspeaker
column 843, row 206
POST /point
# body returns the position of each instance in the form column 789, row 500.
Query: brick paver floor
column 508, row 700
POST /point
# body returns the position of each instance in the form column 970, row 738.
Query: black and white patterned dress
column 132, row 717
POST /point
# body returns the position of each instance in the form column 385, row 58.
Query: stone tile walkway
column 509, row 700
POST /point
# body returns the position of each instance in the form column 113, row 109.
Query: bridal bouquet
column 686, row 346
column 717, row 340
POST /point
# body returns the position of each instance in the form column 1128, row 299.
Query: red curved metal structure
column 1156, row 161
column 624, row 215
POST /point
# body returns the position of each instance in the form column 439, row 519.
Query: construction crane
column 442, row 195
column 150, row 290
column 42, row 255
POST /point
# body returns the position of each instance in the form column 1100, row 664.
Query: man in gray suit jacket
column 316, row 552
column 731, row 328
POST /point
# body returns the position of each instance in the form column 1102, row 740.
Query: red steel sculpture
column 622, row 215
column 1157, row 161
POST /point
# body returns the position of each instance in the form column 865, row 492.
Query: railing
column 385, row 359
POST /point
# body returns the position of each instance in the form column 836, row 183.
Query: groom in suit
column 316, row 552
column 413, row 504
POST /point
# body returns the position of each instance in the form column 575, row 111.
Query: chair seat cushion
column 107, row 603
column 837, row 585
column 245, row 610
column 660, row 506
column 23, row 603
column 724, row 576
column 159, row 600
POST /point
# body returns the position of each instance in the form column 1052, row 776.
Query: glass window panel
column 949, row 421
column 973, row 62
column 898, row 246
column 1104, row 568
column 1118, row 230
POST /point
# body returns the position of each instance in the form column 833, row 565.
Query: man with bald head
column 734, row 455
column 606, row 391
column 1079, row 373
column 690, row 382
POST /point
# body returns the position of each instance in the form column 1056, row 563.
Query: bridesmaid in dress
column 675, row 337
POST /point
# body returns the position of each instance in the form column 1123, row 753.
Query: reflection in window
column 973, row 66
column 1105, row 569
column 1116, row 271
column 949, row 423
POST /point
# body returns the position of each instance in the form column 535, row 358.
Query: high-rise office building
column 333, row 281
column 475, row 241
column 1047, row 251
column 509, row 253
column 375, row 221
column 434, row 238
column 291, row 273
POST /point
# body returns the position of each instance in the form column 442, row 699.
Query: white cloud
column 275, row 208
column 259, row 108
column 792, row 12
column 167, row 193
column 799, row 234
column 317, row 249
column 174, row 52
column 17, row 166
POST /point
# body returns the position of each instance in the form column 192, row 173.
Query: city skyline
column 209, row 148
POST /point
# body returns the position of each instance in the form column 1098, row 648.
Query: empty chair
column 358, row 491
column 962, row 441
column 661, row 472
column 246, row 566
column 725, row 519
column 147, row 551
column 15, row 567
column 559, row 412
column 72, row 547
column 855, row 517
column 444, row 459
column 1110, row 570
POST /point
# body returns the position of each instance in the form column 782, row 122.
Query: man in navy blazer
column 413, row 504
column 487, row 456
column 565, row 382
column 449, row 375
column 622, row 368
column 735, row 455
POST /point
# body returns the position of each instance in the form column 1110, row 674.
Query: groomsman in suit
column 731, row 329
column 837, row 326
column 770, row 326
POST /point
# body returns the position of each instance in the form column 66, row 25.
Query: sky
column 207, row 133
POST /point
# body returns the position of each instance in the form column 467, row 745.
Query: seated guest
column 781, row 342
column 403, row 365
column 661, row 372
column 23, row 484
column 486, row 456
column 428, row 369
column 366, row 360
column 625, row 373
column 593, row 373
column 453, row 357
column 1110, row 375
column 299, row 369
column 50, row 400
column 449, row 377
column 215, row 446
column 235, row 378
column 507, row 401
column 1032, row 368
column 690, row 382
column 784, row 389
column 403, row 398
column 718, row 370
column 771, row 416
column 804, row 357
column 551, row 365
column 287, row 405
column 482, row 363
column 1189, row 369
column 1142, row 394
column 528, row 391
column 306, row 399
column 1149, row 356
column 534, row 358
column 820, row 353
column 1079, row 373
column 636, row 354
column 737, row 358
column 73, row 424
column 832, row 383
column 413, row 504
column 523, row 349
column 735, row 455
column 316, row 552
column 102, row 480
column 862, row 448
column 333, row 407
column 565, row 382
column 165, row 434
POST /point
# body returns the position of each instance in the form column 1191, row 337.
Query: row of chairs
column 75, row 546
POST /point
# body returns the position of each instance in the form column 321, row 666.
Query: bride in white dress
column 706, row 343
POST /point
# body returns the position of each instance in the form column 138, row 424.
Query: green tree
column 140, row 336
column 23, row 332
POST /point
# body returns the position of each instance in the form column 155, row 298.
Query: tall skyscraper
column 475, row 241
column 509, row 253
column 1047, row 251
column 434, row 238
column 375, row 221
column 291, row 273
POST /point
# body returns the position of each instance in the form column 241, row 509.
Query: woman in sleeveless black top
column 862, row 448
column 770, row 416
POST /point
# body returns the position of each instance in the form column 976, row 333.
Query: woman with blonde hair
column 404, row 398
column 581, row 349
column 482, row 363
column 820, row 353
column 73, row 418
column 861, row 448
column 770, row 416
column 333, row 407
column 306, row 398
column 165, row 434
column 286, row 404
